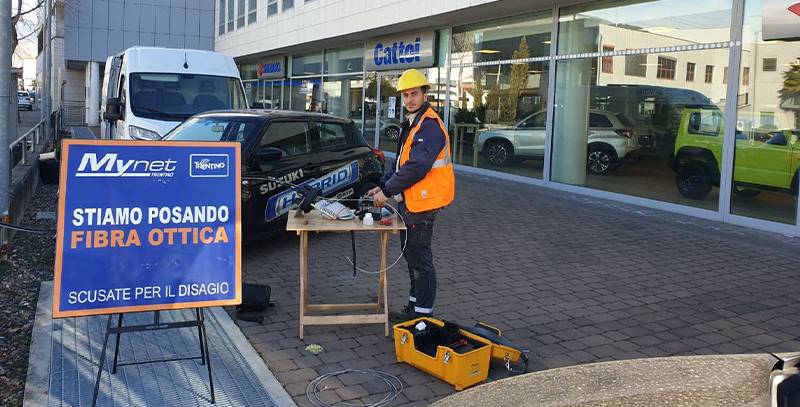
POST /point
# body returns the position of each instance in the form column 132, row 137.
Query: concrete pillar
column 571, row 119
column 93, row 94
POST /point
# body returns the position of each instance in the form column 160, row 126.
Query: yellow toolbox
column 503, row 350
column 443, row 350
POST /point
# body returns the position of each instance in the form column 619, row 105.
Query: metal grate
column 74, row 113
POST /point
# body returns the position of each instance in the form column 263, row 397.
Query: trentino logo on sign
column 208, row 165
column 281, row 203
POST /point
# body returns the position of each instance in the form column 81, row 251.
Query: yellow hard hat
column 410, row 79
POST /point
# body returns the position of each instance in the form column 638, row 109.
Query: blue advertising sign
column 147, row 226
column 411, row 50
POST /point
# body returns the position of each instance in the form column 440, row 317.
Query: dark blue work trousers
column 418, row 255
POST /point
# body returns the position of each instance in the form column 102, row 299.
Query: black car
column 300, row 148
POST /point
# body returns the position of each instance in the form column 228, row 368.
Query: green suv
column 766, row 159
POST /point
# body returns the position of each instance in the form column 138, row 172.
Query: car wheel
column 499, row 152
column 693, row 180
column 392, row 133
column 742, row 192
column 601, row 160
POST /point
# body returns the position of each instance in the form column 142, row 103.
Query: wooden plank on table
column 339, row 307
column 344, row 319
column 313, row 222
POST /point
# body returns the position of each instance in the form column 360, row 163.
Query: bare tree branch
column 28, row 35
column 36, row 7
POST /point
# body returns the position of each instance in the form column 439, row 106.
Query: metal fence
column 25, row 144
column 74, row 113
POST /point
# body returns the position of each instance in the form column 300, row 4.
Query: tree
column 24, row 27
column 790, row 93
column 519, row 80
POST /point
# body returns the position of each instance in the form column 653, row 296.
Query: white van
column 148, row 91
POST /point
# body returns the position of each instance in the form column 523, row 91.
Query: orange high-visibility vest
column 438, row 188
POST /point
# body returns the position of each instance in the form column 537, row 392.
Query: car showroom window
column 332, row 136
column 537, row 121
column 289, row 137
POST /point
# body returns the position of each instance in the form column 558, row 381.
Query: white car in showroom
column 611, row 138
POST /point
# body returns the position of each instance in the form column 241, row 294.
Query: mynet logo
column 110, row 165
column 208, row 165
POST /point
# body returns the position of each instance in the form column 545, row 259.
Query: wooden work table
column 313, row 222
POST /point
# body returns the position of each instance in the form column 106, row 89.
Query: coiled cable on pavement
column 393, row 386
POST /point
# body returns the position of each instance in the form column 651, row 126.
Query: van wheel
column 499, row 152
column 693, row 180
column 601, row 160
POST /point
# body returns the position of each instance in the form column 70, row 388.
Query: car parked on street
column 24, row 101
column 766, row 158
column 611, row 138
column 390, row 127
column 300, row 148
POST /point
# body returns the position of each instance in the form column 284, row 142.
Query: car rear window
column 214, row 129
column 599, row 120
column 334, row 135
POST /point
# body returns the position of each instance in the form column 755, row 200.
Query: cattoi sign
column 781, row 20
column 415, row 50
column 147, row 226
column 272, row 68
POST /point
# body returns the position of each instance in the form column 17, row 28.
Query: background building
column 86, row 32
column 552, row 88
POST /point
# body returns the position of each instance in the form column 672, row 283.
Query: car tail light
column 379, row 153
column 624, row 133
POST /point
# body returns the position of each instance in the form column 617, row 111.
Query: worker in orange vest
column 422, row 181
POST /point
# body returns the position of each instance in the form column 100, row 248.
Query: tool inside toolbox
column 432, row 336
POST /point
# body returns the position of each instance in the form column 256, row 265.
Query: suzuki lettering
column 273, row 68
column 282, row 203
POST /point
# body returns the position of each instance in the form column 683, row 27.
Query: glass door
column 389, row 112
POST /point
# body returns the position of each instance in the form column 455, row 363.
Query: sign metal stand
column 198, row 322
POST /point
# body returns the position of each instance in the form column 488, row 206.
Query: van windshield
column 176, row 97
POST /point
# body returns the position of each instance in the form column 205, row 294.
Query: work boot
column 406, row 314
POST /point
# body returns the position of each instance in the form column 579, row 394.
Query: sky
column 27, row 48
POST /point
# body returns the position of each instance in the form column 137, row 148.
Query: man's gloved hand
column 378, row 198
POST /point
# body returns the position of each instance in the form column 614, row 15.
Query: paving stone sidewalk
column 572, row 278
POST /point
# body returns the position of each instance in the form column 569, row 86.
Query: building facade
column 677, row 105
column 86, row 32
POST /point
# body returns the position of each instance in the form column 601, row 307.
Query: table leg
column 383, row 281
column 303, row 277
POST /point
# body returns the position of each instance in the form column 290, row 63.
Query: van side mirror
column 266, row 154
column 114, row 110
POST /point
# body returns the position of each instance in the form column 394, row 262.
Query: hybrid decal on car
column 280, row 204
